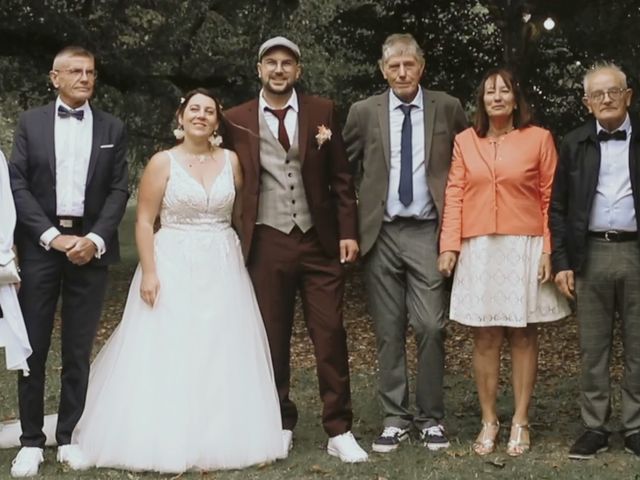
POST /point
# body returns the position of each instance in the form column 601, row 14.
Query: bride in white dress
column 185, row 382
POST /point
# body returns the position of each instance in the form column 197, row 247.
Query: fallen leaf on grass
column 497, row 463
column 318, row 469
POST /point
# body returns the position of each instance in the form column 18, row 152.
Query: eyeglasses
column 284, row 64
column 613, row 93
column 78, row 72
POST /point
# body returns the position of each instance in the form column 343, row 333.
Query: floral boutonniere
column 323, row 135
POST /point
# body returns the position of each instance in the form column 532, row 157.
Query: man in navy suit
column 70, row 184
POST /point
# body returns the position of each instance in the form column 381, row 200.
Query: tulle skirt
column 187, row 384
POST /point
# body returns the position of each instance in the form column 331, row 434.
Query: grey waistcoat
column 283, row 202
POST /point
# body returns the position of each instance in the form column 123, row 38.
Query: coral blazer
column 499, row 186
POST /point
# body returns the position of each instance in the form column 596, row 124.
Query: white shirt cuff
column 98, row 242
column 47, row 237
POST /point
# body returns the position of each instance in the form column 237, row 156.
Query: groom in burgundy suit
column 299, row 227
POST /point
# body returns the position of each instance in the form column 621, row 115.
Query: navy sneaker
column 588, row 445
column 390, row 439
column 434, row 438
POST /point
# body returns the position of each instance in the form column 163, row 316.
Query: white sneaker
column 346, row 448
column 27, row 462
column 72, row 456
column 287, row 443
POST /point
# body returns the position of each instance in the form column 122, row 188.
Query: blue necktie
column 405, row 189
column 66, row 113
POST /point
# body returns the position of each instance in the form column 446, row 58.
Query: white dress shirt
column 613, row 207
column 290, row 119
column 422, row 206
column 73, row 139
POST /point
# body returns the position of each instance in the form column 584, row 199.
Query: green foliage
column 151, row 51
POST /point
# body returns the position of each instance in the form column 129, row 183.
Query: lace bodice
column 187, row 205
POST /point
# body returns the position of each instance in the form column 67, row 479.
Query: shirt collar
column 395, row 102
column 292, row 102
column 626, row 126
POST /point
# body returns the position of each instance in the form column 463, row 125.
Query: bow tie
column 66, row 113
column 604, row 136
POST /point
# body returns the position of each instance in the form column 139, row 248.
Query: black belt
column 70, row 222
column 615, row 236
column 413, row 219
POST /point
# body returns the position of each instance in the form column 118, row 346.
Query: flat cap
column 278, row 42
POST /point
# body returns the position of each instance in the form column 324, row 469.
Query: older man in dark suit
column 399, row 143
column 69, row 180
column 594, row 218
column 299, row 227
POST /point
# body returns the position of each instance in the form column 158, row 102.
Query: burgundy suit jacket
column 325, row 171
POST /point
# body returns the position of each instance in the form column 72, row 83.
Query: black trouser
column 82, row 289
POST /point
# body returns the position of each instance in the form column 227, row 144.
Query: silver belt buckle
column 613, row 234
column 66, row 223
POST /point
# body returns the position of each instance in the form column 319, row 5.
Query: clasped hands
column 79, row 250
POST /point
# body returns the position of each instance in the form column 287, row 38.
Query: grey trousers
column 404, row 287
column 609, row 282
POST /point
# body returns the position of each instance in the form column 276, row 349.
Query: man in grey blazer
column 399, row 144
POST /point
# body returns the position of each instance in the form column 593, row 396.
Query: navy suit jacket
column 32, row 170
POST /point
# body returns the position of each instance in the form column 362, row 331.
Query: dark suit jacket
column 325, row 171
column 366, row 134
column 33, row 181
column 574, row 188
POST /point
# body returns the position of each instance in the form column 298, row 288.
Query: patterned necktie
column 405, row 189
column 283, row 138
column 66, row 113
column 604, row 136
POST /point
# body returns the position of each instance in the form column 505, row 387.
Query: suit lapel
column 591, row 161
column 48, row 130
column 429, row 108
column 303, row 126
column 382, row 110
column 254, row 136
column 95, row 142
column 634, row 159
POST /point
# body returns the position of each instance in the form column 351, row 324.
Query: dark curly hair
column 222, row 121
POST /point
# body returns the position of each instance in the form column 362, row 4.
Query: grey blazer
column 366, row 135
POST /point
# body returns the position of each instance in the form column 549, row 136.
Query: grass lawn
column 554, row 417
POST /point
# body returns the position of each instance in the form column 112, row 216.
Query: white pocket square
column 110, row 145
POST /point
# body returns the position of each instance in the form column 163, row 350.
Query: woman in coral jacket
column 495, row 233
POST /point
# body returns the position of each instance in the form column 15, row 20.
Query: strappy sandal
column 487, row 438
column 517, row 444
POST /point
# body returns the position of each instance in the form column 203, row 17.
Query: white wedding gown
column 187, row 384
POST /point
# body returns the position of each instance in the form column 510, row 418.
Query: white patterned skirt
column 496, row 284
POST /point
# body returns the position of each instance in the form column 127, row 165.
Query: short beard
column 287, row 90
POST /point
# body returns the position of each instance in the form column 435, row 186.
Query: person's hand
column 446, row 263
column 82, row 252
column 566, row 283
column 64, row 243
column 348, row 250
column 544, row 268
column 149, row 288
